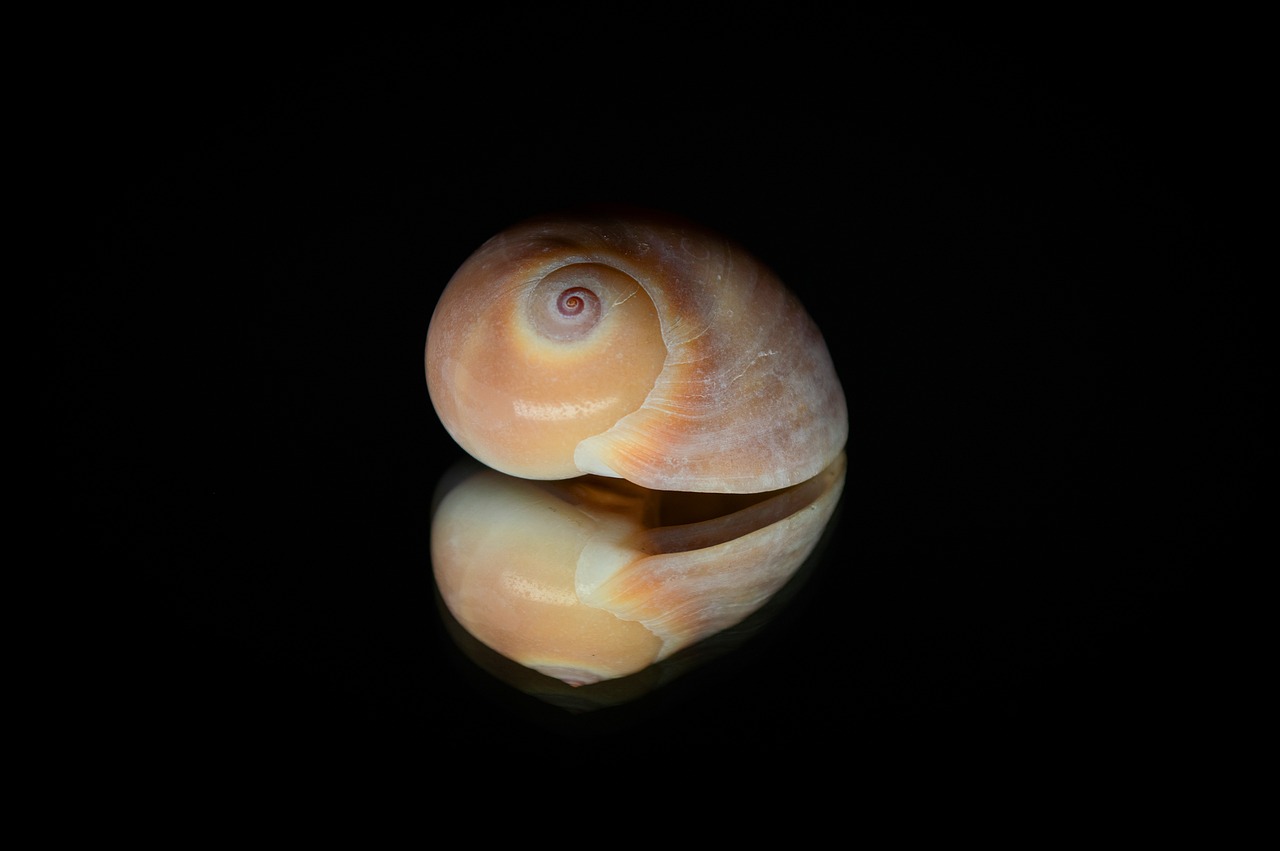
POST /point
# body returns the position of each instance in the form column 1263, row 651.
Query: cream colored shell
column 632, row 345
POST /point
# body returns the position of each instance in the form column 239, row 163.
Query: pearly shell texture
column 594, row 578
column 634, row 345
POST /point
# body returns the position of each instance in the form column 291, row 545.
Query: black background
column 1014, row 239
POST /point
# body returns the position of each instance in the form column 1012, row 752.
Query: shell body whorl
column 632, row 345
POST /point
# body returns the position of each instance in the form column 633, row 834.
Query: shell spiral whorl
column 565, row 305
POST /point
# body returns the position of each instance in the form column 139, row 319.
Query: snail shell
column 633, row 345
column 594, row 578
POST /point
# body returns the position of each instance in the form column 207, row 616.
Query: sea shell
column 593, row 578
column 635, row 345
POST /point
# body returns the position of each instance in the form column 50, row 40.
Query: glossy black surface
column 1018, row 260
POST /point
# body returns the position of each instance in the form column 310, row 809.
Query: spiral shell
column 634, row 345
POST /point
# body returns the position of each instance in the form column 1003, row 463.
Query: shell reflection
column 596, row 578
